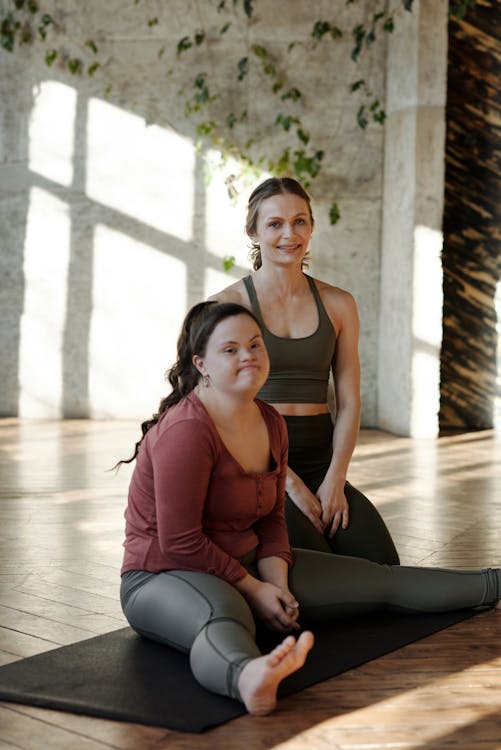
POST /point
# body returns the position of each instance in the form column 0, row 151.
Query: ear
column 198, row 363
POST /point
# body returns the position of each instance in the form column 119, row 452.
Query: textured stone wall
column 411, row 274
column 110, row 229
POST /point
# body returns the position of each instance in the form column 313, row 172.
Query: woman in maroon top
column 206, row 548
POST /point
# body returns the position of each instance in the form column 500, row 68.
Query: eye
column 300, row 221
column 274, row 224
column 230, row 350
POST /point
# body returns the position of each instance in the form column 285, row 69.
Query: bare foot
column 260, row 678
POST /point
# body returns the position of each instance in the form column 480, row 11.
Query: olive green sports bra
column 299, row 368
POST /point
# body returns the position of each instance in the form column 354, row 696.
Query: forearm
column 346, row 431
column 274, row 570
column 293, row 482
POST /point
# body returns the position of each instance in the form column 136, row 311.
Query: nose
column 247, row 353
column 287, row 229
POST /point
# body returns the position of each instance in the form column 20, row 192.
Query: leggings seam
column 231, row 666
column 201, row 594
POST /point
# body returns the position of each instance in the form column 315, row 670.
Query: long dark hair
column 183, row 376
column 267, row 189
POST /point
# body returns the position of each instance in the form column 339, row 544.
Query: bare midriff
column 301, row 410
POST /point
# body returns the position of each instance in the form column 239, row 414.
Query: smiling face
column 283, row 229
column 235, row 358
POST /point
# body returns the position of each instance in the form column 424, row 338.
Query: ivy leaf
column 199, row 37
column 224, row 28
column 320, row 28
column 407, row 4
column 357, row 85
column 334, row 214
column 204, row 129
column 50, row 57
column 228, row 262
column 389, row 24
column 282, row 165
column 358, row 34
column 286, row 121
column 92, row 69
column 153, row 22
column 91, row 45
column 248, row 8
column 293, row 94
column 259, row 51
column 304, row 137
column 46, row 20
column 361, row 118
column 243, row 68
column 75, row 66
column 184, row 44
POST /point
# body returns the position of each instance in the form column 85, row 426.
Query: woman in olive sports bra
column 310, row 330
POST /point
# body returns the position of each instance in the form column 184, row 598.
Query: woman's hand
column 272, row 604
column 335, row 510
column 305, row 500
column 276, row 607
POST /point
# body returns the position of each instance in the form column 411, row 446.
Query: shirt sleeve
column 183, row 459
column 272, row 528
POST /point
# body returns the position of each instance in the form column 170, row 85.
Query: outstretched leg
column 260, row 678
column 330, row 586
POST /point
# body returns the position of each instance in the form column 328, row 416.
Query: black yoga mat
column 127, row 678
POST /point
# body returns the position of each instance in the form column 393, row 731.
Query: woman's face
column 236, row 359
column 283, row 229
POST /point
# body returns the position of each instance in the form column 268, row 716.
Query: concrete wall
column 110, row 230
column 410, row 321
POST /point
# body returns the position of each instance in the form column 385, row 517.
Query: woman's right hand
column 305, row 500
column 274, row 606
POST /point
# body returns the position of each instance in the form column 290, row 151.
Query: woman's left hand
column 335, row 510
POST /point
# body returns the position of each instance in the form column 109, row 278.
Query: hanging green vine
column 221, row 124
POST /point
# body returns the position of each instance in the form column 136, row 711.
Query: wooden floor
column 61, row 525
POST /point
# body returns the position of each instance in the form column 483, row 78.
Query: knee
column 222, row 600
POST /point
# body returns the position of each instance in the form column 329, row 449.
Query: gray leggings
column 208, row 618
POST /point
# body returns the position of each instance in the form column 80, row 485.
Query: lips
column 289, row 248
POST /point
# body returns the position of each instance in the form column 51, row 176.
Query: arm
column 346, row 371
column 270, row 598
column 305, row 500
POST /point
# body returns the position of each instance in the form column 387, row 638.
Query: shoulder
column 234, row 293
column 339, row 303
column 185, row 426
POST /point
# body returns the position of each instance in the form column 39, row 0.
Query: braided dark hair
column 183, row 376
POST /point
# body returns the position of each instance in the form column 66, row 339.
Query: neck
column 226, row 409
column 285, row 281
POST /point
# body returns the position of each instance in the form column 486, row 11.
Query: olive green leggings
column 208, row 618
column 310, row 453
